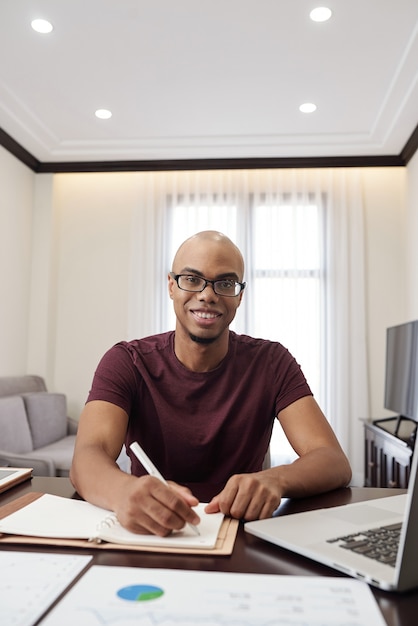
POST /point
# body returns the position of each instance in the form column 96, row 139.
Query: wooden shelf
column 388, row 450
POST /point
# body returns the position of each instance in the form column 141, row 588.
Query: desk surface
column 251, row 555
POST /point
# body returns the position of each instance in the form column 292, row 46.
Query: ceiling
column 200, row 79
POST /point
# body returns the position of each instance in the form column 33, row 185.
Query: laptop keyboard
column 380, row 544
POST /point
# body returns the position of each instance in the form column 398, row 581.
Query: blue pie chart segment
column 140, row 593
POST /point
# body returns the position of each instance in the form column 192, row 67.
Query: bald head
column 213, row 245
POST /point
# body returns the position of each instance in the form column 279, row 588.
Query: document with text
column 144, row 597
column 32, row 581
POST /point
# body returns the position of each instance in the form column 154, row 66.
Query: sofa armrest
column 41, row 467
column 72, row 426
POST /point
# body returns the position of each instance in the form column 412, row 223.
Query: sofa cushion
column 60, row 453
column 15, row 434
column 47, row 417
column 16, row 385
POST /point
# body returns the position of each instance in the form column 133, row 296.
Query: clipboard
column 224, row 544
column 11, row 476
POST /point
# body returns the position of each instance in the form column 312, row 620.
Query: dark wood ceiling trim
column 18, row 151
column 410, row 147
column 39, row 167
column 220, row 164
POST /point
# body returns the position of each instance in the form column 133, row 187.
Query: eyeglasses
column 223, row 287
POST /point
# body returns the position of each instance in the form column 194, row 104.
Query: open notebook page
column 57, row 517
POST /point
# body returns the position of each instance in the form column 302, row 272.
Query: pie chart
column 140, row 593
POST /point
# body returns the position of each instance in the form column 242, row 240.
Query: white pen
column 144, row 459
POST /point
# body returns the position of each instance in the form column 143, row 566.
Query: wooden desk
column 250, row 554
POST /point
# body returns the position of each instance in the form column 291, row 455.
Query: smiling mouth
column 205, row 315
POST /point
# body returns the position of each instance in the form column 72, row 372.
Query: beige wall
column 67, row 299
column 16, row 203
column 93, row 215
column 412, row 238
column 385, row 224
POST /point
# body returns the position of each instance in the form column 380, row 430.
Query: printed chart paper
column 126, row 596
column 30, row 582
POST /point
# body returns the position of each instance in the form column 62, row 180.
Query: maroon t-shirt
column 199, row 428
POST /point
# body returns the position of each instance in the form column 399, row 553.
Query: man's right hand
column 142, row 504
column 147, row 505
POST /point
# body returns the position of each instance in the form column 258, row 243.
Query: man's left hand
column 248, row 496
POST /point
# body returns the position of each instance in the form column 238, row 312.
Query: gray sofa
column 34, row 428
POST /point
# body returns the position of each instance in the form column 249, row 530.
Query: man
column 201, row 400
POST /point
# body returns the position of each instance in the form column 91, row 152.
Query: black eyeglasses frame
column 208, row 282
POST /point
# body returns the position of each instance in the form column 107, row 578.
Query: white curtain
column 347, row 396
column 344, row 384
column 146, row 314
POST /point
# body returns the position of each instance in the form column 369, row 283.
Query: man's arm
column 321, row 466
column 141, row 504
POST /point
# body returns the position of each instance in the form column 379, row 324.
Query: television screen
column 401, row 385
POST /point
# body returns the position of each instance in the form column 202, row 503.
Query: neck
column 200, row 354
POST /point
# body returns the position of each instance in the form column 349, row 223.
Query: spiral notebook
column 54, row 517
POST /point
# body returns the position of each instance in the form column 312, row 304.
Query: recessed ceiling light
column 307, row 107
column 320, row 14
column 41, row 26
column 103, row 114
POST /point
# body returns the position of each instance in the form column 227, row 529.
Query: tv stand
column 389, row 446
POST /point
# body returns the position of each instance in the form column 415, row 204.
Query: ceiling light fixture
column 42, row 26
column 320, row 14
column 307, row 107
column 103, row 114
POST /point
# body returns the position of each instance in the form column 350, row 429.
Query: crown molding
column 40, row 167
column 220, row 164
column 18, row 151
column 410, row 147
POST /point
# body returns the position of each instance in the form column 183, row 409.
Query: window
column 281, row 237
column 286, row 279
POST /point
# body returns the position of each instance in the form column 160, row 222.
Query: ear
column 171, row 284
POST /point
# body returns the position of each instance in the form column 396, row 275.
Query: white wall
column 93, row 218
column 73, row 299
column 16, row 205
column 42, row 281
column 412, row 238
column 386, row 227
column 86, row 223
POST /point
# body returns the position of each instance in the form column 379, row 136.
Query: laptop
column 358, row 539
